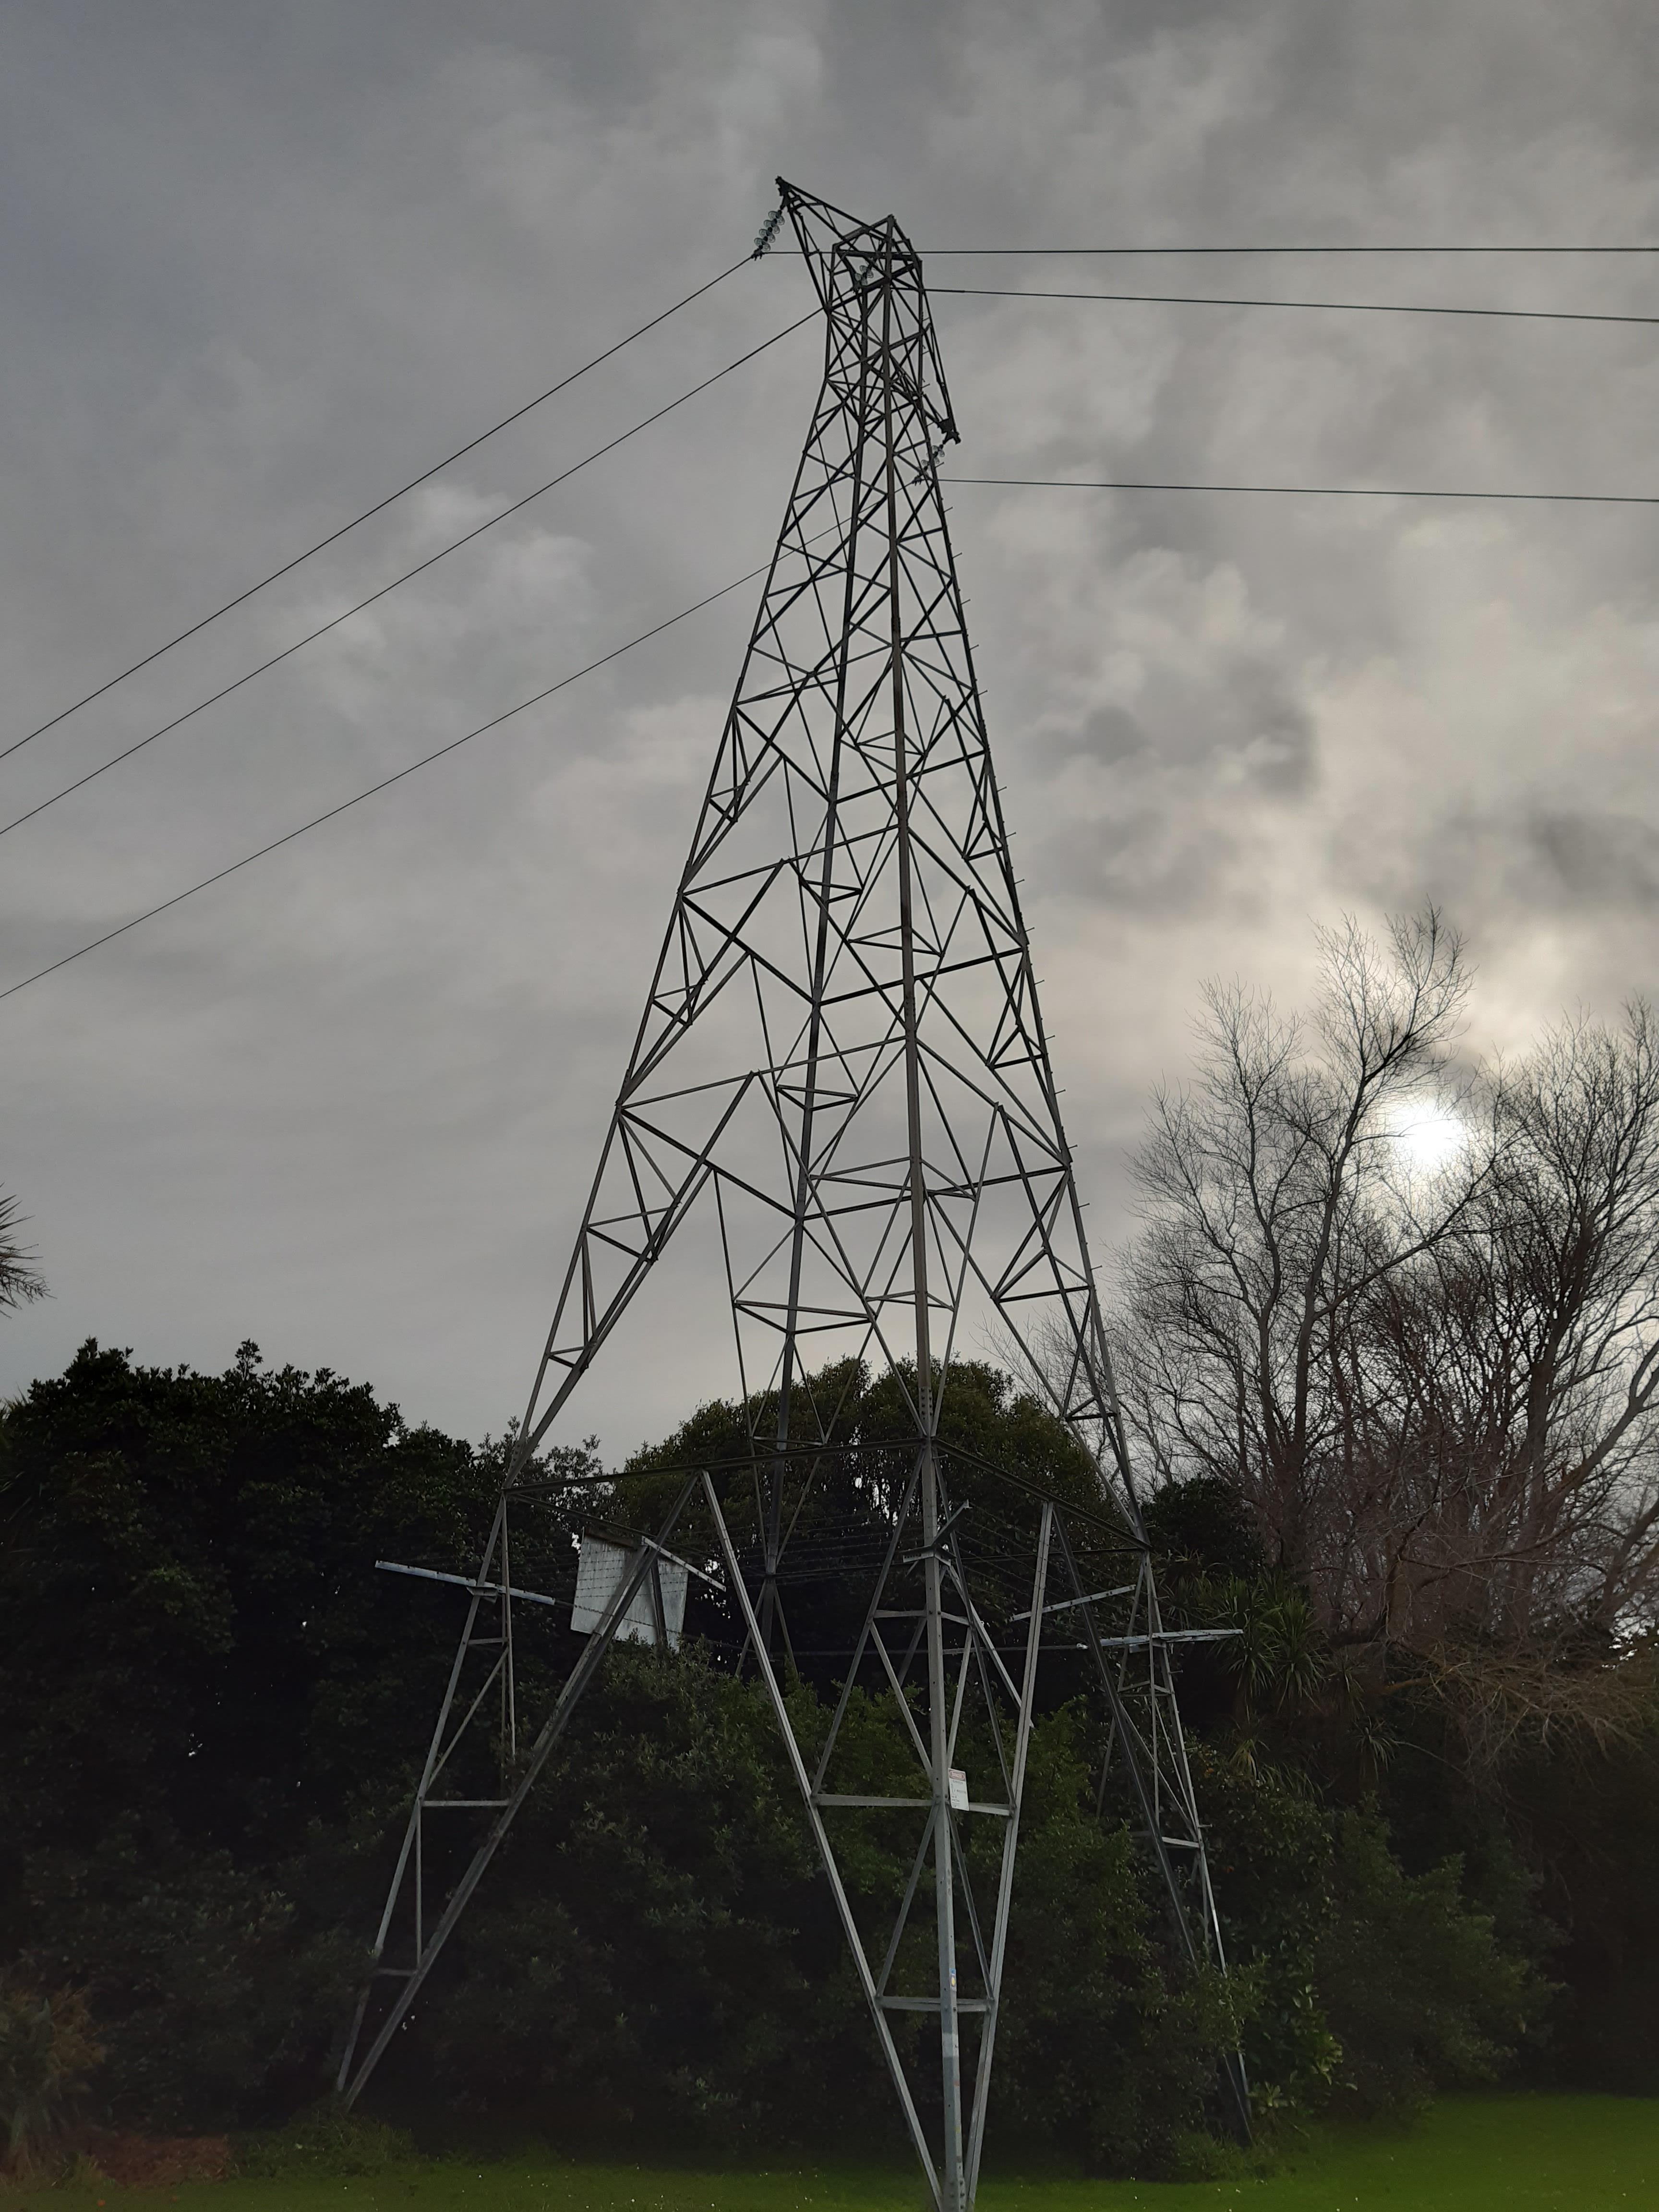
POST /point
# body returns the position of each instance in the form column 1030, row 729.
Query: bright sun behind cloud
column 1431, row 1137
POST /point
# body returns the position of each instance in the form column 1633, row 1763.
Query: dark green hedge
column 211, row 1708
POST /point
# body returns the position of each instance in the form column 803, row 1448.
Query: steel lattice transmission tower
column 842, row 1058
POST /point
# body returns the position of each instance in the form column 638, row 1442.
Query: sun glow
column 1431, row 1137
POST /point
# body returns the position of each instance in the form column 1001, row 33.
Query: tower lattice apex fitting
column 841, row 1062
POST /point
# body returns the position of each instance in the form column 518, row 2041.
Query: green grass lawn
column 1490, row 2154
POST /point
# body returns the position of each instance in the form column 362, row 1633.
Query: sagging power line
column 379, row 506
column 1146, row 485
column 386, row 783
column 368, row 513
column 1037, row 252
column 1331, row 306
column 420, row 567
column 1314, row 491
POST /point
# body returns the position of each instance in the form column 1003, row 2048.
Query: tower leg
column 1155, row 1761
column 810, row 1800
column 428, row 1947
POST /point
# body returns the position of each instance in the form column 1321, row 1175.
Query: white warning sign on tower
column 601, row 1568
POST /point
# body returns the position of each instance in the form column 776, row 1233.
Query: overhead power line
column 1313, row 491
column 939, row 252
column 369, row 513
column 1338, row 306
column 311, row 636
column 386, row 783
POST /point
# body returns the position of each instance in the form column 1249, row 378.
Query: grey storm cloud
column 261, row 265
column 1609, row 860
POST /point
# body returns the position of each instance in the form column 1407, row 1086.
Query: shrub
column 213, row 1997
column 1376, row 1986
column 47, row 2051
column 327, row 2142
column 1418, row 1988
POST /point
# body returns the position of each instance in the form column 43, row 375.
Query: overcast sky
column 262, row 264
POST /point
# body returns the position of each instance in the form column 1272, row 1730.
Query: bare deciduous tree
column 1436, row 1391
column 1278, row 1196
column 1518, row 1369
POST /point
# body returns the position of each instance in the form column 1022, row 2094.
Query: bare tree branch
column 1436, row 1391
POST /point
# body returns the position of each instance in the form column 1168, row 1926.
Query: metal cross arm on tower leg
column 464, row 1581
column 1068, row 1604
